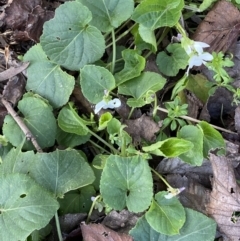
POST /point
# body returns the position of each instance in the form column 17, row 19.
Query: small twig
column 24, row 128
column 198, row 121
column 12, row 71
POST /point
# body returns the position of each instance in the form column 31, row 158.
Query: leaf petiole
column 122, row 35
column 58, row 227
column 115, row 151
column 93, row 205
column 113, row 51
column 160, row 176
column 99, row 147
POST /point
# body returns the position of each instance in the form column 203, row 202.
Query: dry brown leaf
column 98, row 232
column 124, row 110
column 177, row 166
column 3, row 113
column 194, row 104
column 70, row 221
column 195, row 195
column 237, row 119
column 143, row 127
column 26, row 19
column 220, row 28
column 35, row 22
column 122, row 221
column 224, row 198
column 14, row 89
column 16, row 13
column 220, row 106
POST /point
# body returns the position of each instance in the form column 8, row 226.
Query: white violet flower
column 196, row 46
column 174, row 192
column 198, row 60
column 195, row 51
column 107, row 105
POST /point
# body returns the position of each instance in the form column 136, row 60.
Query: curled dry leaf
column 122, row 221
column 224, row 198
column 16, row 13
column 143, row 127
column 98, row 232
column 26, row 19
column 14, row 89
column 220, row 28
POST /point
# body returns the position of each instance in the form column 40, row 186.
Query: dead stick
column 24, row 128
column 198, row 121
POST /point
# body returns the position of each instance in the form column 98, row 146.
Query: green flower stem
column 180, row 29
column 120, row 29
column 91, row 209
column 121, row 35
column 113, row 51
column 155, row 107
column 115, row 151
column 99, row 147
column 197, row 121
column 160, row 176
column 58, row 227
column 130, row 113
column 123, row 147
column 194, row 9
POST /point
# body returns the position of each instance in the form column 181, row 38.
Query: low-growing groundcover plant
column 78, row 47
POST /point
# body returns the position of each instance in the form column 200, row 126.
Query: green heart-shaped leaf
column 69, row 40
column 171, row 64
column 34, row 110
column 47, row 78
column 24, row 207
column 166, row 216
column 195, row 135
column 127, row 181
column 154, row 14
column 108, row 15
column 61, row 171
column 197, row 227
column 134, row 64
column 94, row 81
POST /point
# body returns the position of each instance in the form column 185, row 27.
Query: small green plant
column 175, row 110
column 220, row 75
column 35, row 186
